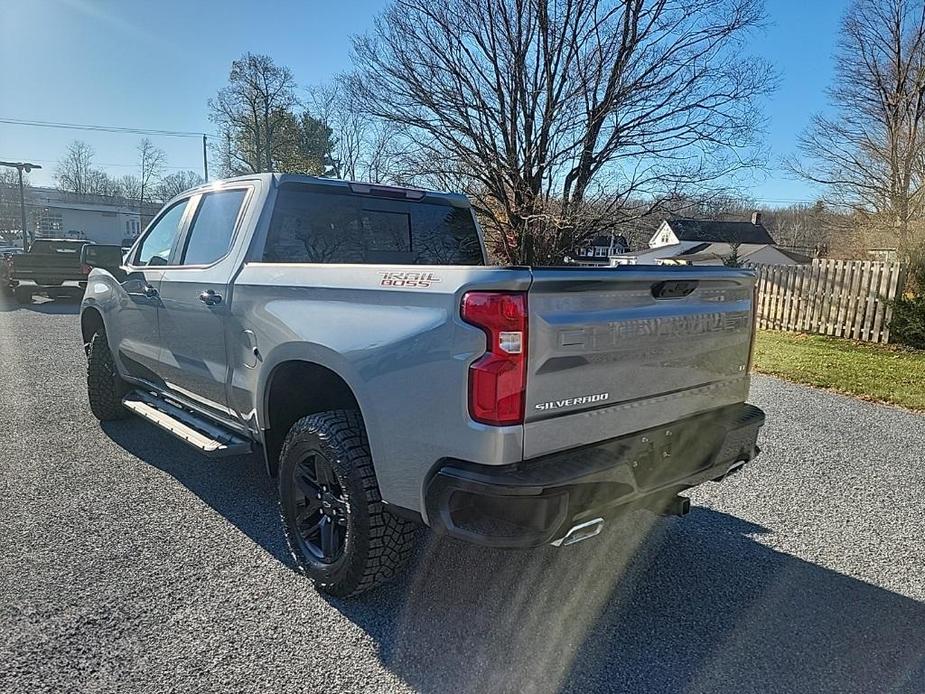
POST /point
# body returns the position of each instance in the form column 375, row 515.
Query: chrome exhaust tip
column 582, row 531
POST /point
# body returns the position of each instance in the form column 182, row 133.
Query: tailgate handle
column 673, row 289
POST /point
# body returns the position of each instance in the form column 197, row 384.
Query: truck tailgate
column 618, row 350
column 46, row 267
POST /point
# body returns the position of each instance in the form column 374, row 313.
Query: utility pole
column 21, row 166
column 205, row 161
column 22, row 211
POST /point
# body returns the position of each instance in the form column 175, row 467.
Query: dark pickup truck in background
column 51, row 266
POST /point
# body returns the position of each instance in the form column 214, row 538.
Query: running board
column 207, row 438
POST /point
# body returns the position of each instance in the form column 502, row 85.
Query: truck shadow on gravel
column 237, row 487
column 693, row 604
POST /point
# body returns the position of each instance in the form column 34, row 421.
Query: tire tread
column 390, row 540
column 104, row 386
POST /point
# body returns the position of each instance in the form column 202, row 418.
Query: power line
column 103, row 163
column 120, row 130
column 104, row 128
column 190, row 134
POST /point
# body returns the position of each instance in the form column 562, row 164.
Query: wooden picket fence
column 844, row 298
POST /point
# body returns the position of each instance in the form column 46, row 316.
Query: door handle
column 210, row 297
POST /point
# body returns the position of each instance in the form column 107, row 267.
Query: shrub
column 908, row 323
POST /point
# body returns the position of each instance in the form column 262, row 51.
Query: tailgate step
column 208, row 438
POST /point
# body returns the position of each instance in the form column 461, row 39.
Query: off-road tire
column 378, row 543
column 105, row 387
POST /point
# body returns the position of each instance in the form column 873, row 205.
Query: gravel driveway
column 130, row 563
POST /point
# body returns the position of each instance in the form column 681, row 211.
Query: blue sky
column 154, row 65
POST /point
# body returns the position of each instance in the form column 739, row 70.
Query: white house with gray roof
column 711, row 242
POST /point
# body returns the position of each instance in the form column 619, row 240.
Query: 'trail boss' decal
column 568, row 402
column 408, row 279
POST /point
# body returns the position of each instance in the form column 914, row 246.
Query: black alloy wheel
column 321, row 508
column 340, row 533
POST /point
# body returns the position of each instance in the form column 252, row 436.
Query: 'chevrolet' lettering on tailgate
column 602, row 336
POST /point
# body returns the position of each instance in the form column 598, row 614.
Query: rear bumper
column 50, row 283
column 536, row 502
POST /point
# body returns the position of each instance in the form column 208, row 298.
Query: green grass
column 872, row 372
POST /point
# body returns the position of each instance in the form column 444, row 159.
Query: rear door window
column 313, row 227
column 212, row 229
column 445, row 235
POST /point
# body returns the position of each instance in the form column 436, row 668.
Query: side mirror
column 106, row 257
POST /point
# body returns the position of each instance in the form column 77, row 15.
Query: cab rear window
column 312, row 227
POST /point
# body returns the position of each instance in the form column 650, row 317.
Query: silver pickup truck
column 355, row 335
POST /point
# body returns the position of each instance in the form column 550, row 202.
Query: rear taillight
column 498, row 379
column 85, row 269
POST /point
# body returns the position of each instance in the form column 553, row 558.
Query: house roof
column 696, row 248
column 721, row 231
column 794, row 256
column 723, row 249
column 720, row 251
column 698, row 252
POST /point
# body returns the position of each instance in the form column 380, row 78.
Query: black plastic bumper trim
column 533, row 502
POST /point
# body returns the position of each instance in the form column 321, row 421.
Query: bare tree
column 101, row 183
column 330, row 103
column 558, row 116
column 75, row 169
column 129, row 187
column 253, row 112
column 151, row 161
column 812, row 228
column 176, row 183
column 870, row 154
column 75, row 172
column 364, row 148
